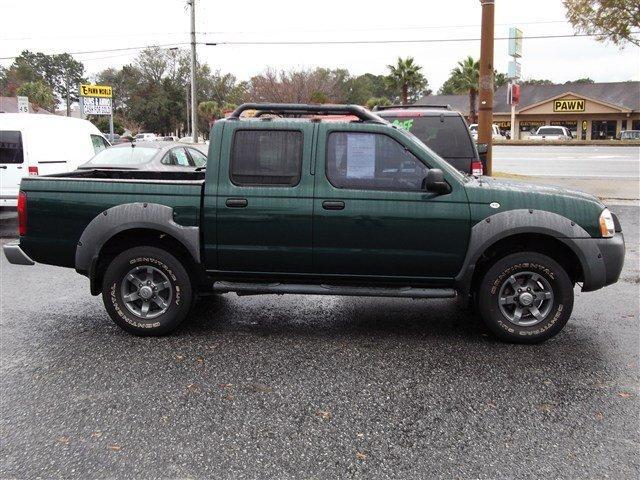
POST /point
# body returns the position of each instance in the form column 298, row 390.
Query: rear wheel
column 147, row 291
column 525, row 297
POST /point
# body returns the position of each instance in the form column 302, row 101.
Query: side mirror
column 434, row 182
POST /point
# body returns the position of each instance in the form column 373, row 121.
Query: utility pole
column 485, row 109
column 66, row 86
column 194, row 110
column 187, row 97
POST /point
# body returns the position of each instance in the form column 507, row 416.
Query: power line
column 175, row 44
column 369, row 42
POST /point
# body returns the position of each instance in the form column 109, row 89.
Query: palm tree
column 405, row 75
column 465, row 78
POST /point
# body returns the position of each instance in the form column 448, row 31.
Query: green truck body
column 313, row 233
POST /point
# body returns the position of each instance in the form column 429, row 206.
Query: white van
column 38, row 144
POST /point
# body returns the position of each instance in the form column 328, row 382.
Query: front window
column 199, row 158
column 11, row 147
column 371, row 161
column 122, row 156
column 445, row 135
column 176, row 157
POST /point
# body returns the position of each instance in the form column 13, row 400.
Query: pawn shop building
column 592, row 111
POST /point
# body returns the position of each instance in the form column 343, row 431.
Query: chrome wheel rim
column 525, row 299
column 146, row 292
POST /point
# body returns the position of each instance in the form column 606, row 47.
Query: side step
column 281, row 288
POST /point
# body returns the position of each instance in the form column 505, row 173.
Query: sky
column 72, row 26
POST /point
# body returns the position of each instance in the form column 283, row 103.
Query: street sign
column 23, row 104
column 102, row 91
column 515, row 42
column 514, row 70
column 96, row 106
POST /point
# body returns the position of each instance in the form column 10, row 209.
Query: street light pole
column 194, row 111
column 485, row 83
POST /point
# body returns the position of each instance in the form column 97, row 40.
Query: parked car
column 146, row 137
column 496, row 134
column 441, row 129
column 329, row 208
column 30, row 144
column 630, row 135
column 169, row 138
column 552, row 133
column 155, row 156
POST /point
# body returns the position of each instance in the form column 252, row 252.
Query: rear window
column 446, row 135
column 11, row 147
column 550, row 131
column 266, row 157
column 123, row 156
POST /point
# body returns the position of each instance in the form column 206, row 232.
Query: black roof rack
column 393, row 107
column 316, row 109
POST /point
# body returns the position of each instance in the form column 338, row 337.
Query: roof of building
column 621, row 94
column 10, row 105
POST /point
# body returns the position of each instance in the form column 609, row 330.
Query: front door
column 264, row 199
column 371, row 214
column 13, row 166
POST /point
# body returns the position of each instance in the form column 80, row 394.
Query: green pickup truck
column 295, row 202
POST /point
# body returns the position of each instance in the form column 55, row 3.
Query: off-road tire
column 517, row 266
column 164, row 267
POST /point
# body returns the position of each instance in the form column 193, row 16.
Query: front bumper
column 16, row 255
column 612, row 251
column 602, row 260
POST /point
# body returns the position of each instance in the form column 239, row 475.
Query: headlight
column 607, row 227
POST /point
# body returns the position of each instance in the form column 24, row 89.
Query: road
column 314, row 387
column 571, row 162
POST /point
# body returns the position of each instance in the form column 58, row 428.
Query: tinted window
column 446, row 135
column 266, row 157
column 551, row 131
column 99, row 143
column 11, row 147
column 124, row 156
column 199, row 158
column 370, row 161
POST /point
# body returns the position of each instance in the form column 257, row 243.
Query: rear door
column 13, row 165
column 371, row 216
column 264, row 199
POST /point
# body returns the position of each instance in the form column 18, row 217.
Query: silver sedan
column 154, row 156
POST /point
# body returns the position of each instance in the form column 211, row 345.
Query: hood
column 580, row 207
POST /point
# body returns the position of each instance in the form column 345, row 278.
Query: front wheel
column 525, row 297
column 147, row 291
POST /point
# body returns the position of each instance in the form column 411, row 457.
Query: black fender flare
column 505, row 224
column 130, row 216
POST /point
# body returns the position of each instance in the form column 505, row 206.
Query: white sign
column 361, row 155
column 23, row 104
column 515, row 42
column 96, row 106
column 514, row 71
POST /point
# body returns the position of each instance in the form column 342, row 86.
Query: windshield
column 124, row 156
column 445, row 135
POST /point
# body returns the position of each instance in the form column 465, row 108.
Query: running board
column 281, row 288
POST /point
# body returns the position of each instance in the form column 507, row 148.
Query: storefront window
column 603, row 129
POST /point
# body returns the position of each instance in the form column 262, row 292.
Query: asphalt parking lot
column 314, row 387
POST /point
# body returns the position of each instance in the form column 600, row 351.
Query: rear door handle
column 333, row 205
column 236, row 202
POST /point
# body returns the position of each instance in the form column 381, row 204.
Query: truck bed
column 60, row 206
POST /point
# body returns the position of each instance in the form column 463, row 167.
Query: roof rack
column 300, row 108
column 393, row 107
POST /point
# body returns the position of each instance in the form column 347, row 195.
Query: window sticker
column 403, row 124
column 361, row 156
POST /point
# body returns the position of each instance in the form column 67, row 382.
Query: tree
column 296, row 86
column 377, row 102
column 536, row 81
column 612, row 20
column 39, row 94
column 581, row 80
column 407, row 77
column 464, row 78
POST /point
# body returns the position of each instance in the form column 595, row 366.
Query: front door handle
column 333, row 205
column 236, row 202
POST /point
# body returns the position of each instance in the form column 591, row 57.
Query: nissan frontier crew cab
column 308, row 206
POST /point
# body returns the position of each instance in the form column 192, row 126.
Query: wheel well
column 138, row 237
column 545, row 244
